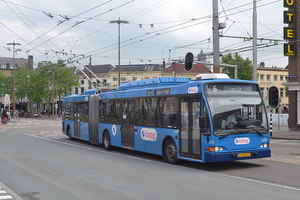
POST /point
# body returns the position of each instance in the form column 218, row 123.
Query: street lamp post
column 51, row 71
column 119, row 22
column 14, row 76
column 52, row 95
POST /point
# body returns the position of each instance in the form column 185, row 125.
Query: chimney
column 30, row 62
column 262, row 65
column 60, row 62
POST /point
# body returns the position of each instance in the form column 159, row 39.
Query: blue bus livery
column 204, row 120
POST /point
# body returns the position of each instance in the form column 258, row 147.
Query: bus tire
column 69, row 133
column 170, row 152
column 106, row 141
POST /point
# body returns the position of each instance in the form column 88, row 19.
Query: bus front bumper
column 231, row 156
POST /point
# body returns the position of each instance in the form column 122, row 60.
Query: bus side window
column 169, row 113
column 139, row 111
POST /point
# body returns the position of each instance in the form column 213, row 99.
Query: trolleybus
column 210, row 119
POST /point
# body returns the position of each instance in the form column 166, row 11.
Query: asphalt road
column 38, row 162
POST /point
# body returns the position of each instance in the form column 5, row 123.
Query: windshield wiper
column 259, row 130
column 231, row 133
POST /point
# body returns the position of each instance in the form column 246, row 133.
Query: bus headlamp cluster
column 217, row 148
column 264, row 145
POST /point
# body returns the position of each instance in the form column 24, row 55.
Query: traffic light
column 188, row 62
column 273, row 96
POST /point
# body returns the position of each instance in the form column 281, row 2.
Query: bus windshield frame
column 236, row 108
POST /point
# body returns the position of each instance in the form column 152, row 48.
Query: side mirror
column 204, row 125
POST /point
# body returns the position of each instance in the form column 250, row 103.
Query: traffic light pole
column 271, row 130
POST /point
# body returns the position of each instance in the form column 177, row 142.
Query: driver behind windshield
column 231, row 120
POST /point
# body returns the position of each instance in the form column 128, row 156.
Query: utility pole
column 254, row 24
column 14, row 76
column 90, row 75
column 216, row 45
column 119, row 56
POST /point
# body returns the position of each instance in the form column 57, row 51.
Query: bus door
column 127, row 124
column 76, row 120
column 190, row 140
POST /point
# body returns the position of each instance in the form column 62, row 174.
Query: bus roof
column 154, row 82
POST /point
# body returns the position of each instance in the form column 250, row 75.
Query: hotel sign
column 289, row 33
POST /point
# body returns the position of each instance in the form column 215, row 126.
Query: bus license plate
column 244, row 155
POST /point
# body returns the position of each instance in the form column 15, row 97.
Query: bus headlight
column 217, row 148
column 264, row 145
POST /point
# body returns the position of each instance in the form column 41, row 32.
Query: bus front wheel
column 170, row 152
column 106, row 141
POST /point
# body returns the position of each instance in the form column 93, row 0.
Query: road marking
column 4, row 194
column 6, row 197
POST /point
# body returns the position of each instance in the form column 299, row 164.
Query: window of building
column 268, row 77
column 82, row 82
column 115, row 79
column 76, row 90
column 262, row 77
column 281, row 92
column 275, row 77
column 281, row 78
column 82, row 90
column 123, row 79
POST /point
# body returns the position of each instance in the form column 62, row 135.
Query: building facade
column 267, row 77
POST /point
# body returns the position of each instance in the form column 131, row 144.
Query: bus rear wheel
column 170, row 152
column 106, row 141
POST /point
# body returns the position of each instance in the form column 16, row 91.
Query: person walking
column 17, row 115
column 4, row 116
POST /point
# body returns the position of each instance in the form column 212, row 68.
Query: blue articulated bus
column 212, row 119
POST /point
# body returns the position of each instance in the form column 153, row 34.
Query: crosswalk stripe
column 6, row 197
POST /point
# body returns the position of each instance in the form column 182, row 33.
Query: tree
column 6, row 85
column 244, row 66
column 43, row 83
column 58, row 80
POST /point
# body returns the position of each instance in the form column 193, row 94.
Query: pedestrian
column 4, row 116
column 17, row 115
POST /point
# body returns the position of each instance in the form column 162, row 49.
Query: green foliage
column 6, row 84
column 39, row 84
column 244, row 66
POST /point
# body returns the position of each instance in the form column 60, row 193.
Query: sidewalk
column 284, row 132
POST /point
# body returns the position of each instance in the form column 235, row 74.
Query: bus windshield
column 236, row 108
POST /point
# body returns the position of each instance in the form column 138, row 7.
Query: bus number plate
column 244, row 155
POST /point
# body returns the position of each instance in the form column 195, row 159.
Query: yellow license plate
column 244, row 155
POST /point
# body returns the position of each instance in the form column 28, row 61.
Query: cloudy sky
column 157, row 30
